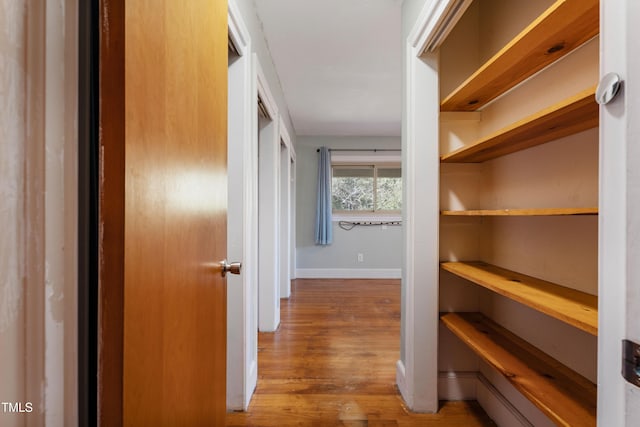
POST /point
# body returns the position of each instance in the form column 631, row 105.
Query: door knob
column 233, row 268
column 608, row 88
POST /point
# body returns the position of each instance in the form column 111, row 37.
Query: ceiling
column 339, row 63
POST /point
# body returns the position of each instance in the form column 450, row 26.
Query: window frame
column 366, row 215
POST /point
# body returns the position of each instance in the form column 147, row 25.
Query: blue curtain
column 324, row 231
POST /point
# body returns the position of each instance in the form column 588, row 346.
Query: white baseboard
column 252, row 382
column 348, row 273
column 401, row 382
column 457, row 385
column 497, row 406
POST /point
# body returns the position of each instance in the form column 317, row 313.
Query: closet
column 518, row 208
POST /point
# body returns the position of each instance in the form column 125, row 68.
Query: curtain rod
column 361, row 149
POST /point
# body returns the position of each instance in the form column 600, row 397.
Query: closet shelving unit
column 563, row 27
column 563, row 395
column 570, row 116
column 522, row 212
column 576, row 308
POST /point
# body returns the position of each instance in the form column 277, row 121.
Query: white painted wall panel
column 633, row 284
column 12, row 135
column 381, row 247
column 38, row 212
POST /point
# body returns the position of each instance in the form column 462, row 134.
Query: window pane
column 389, row 188
column 352, row 188
column 389, row 172
column 353, row 171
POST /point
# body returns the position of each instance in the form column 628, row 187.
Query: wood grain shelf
column 572, row 115
column 564, row 396
column 522, row 212
column 560, row 29
column 573, row 307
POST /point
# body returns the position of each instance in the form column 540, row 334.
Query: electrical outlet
column 360, row 257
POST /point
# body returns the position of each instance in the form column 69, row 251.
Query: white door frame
column 242, row 317
column 619, row 224
column 292, row 237
column 267, row 137
column 285, row 211
column 417, row 369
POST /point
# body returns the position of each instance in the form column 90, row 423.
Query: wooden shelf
column 564, row 396
column 575, row 114
column 523, row 212
column 560, row 29
column 576, row 308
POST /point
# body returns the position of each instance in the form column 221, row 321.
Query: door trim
column 88, row 73
column 111, row 211
column 617, row 223
column 268, row 184
column 242, row 324
column 264, row 92
column 284, row 178
column 238, row 32
column 417, row 369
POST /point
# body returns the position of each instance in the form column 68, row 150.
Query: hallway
column 332, row 362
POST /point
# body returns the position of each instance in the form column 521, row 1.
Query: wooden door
column 163, row 191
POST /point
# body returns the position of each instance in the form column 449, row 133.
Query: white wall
column 417, row 371
column 242, row 299
column 632, row 392
column 381, row 247
column 410, row 11
column 38, row 210
column 260, row 47
column 12, row 216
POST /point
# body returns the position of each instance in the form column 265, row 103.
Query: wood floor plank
column 332, row 362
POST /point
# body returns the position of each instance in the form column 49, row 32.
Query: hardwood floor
column 332, row 362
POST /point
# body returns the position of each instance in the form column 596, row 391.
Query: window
column 366, row 188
